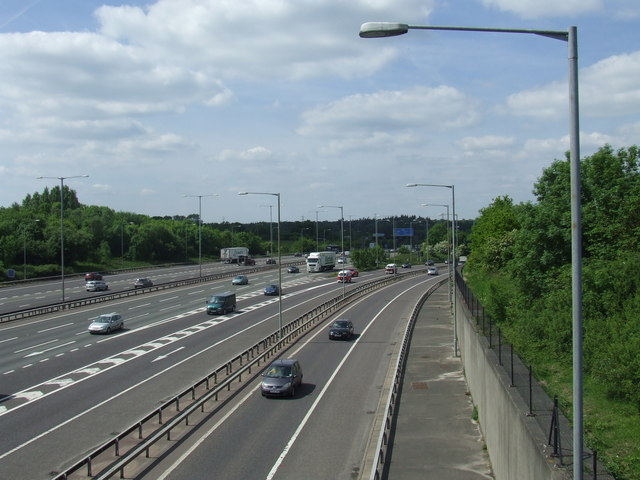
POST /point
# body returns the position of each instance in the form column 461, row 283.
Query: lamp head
column 382, row 29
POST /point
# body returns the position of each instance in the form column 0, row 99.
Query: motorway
column 32, row 294
column 64, row 392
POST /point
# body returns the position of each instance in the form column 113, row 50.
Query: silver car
column 107, row 323
column 96, row 286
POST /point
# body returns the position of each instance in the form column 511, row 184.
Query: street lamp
column 62, row 179
column 387, row 29
column 453, row 264
column 279, row 259
column 302, row 239
column 24, row 249
column 451, row 285
column 341, row 240
column 270, row 227
column 232, row 227
column 122, row 242
column 199, row 197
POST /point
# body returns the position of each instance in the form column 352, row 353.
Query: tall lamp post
column 449, row 242
column 122, row 241
column 387, row 29
column 199, row 197
column 279, row 259
column 62, row 179
column 452, row 265
column 341, row 240
column 24, row 250
column 270, row 227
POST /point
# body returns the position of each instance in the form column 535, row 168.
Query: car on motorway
column 92, row 276
column 432, row 271
column 344, row 276
column 240, row 280
column 391, row 268
column 293, row 269
column 142, row 283
column 406, row 265
column 106, row 323
column 221, row 303
column 354, row 272
column 429, row 263
column 281, row 378
column 96, row 286
column 271, row 261
column 271, row 289
column 341, row 329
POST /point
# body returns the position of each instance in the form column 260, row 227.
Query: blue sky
column 157, row 100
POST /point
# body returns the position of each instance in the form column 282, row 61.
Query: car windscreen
column 278, row 372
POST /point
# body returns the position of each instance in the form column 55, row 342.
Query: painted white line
column 8, row 339
column 49, row 349
column 169, row 308
column 36, row 346
column 167, row 299
column 53, row 328
column 139, row 306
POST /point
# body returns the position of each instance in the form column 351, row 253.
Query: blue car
column 271, row 290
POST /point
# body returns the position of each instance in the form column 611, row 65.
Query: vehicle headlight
column 286, row 385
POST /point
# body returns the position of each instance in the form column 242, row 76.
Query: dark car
column 271, row 261
column 142, row 283
column 429, row 263
column 341, row 329
column 281, row 378
column 271, row 290
column 240, row 280
column 293, row 269
column 406, row 265
column 92, row 276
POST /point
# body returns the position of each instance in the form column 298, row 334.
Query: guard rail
column 222, row 377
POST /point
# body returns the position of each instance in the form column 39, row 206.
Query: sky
column 163, row 101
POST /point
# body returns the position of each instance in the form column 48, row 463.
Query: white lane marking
column 162, row 357
column 36, row 346
column 139, row 306
column 167, row 299
column 8, row 339
column 241, row 402
column 49, row 349
column 53, row 328
column 295, row 435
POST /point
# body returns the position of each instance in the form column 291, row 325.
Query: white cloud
column 607, row 88
column 389, row 117
column 545, row 8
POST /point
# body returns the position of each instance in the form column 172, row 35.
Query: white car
column 432, row 271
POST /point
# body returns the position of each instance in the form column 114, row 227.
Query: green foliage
column 368, row 258
column 520, row 267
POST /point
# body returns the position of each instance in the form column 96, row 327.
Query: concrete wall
column 515, row 442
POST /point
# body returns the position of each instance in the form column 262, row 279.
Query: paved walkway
column 435, row 437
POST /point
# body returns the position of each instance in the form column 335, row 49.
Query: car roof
column 284, row 361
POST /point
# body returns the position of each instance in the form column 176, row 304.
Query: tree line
column 520, row 267
column 100, row 238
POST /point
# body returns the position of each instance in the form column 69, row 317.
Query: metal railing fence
column 222, row 378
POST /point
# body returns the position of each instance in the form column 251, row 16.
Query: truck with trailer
column 321, row 261
column 233, row 254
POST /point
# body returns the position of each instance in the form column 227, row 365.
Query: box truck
column 321, row 261
column 233, row 254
